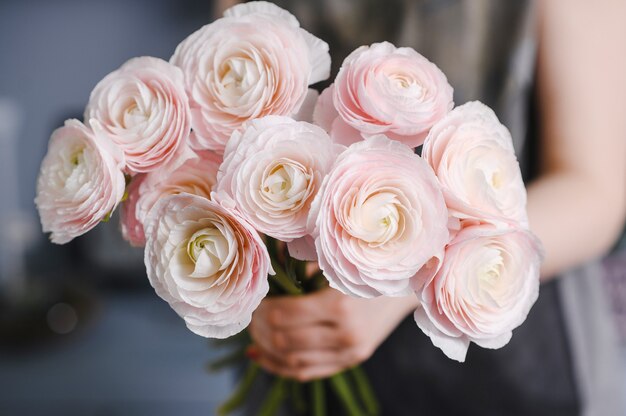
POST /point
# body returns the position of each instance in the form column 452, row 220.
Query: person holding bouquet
column 552, row 72
column 400, row 183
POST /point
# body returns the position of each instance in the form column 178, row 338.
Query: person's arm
column 576, row 207
column 578, row 204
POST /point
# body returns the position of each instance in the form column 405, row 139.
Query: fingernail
column 252, row 353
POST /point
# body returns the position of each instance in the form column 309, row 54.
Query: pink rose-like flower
column 272, row 170
column 380, row 221
column 208, row 263
column 144, row 108
column 196, row 176
column 80, row 182
column 487, row 283
column 253, row 62
column 381, row 89
column 473, row 157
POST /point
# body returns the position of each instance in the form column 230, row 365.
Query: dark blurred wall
column 125, row 352
column 53, row 52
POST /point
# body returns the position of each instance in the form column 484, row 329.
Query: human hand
column 320, row 334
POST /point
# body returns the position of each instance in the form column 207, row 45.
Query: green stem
column 228, row 359
column 318, row 398
column 282, row 280
column 275, row 397
column 341, row 386
column 240, row 394
column 365, row 390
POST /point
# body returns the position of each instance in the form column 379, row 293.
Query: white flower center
column 285, row 185
column 135, row 116
column 73, row 171
column 77, row 157
column 238, row 74
column 404, row 85
column 489, row 285
column 377, row 220
column 208, row 249
column 489, row 272
column 493, row 176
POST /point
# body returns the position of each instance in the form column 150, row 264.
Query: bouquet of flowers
column 223, row 156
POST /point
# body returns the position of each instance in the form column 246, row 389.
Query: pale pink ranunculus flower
column 381, row 89
column 144, row 108
column 197, row 176
column 472, row 155
column 379, row 222
column 272, row 170
column 486, row 285
column 207, row 262
column 253, row 62
column 80, row 182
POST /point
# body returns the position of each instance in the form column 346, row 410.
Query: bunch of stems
column 351, row 387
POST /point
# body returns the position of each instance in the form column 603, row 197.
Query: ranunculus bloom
column 196, row 176
column 144, row 108
column 484, row 289
column 272, row 170
column 253, row 62
column 380, row 218
column 381, row 89
column 208, row 263
column 80, row 182
column 473, row 157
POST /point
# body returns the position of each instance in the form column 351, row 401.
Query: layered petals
column 483, row 290
column 144, row 109
column 379, row 222
column 207, row 262
column 80, row 182
column 381, row 89
column 272, row 170
column 196, row 176
column 472, row 155
column 253, row 62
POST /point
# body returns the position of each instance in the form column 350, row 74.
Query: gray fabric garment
column 594, row 341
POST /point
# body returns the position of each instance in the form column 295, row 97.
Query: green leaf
column 340, row 385
column 241, row 392
column 275, row 397
column 127, row 181
column 296, row 269
column 232, row 358
column 365, row 390
column 283, row 281
column 318, row 398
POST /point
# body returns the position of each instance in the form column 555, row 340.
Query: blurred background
column 81, row 331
